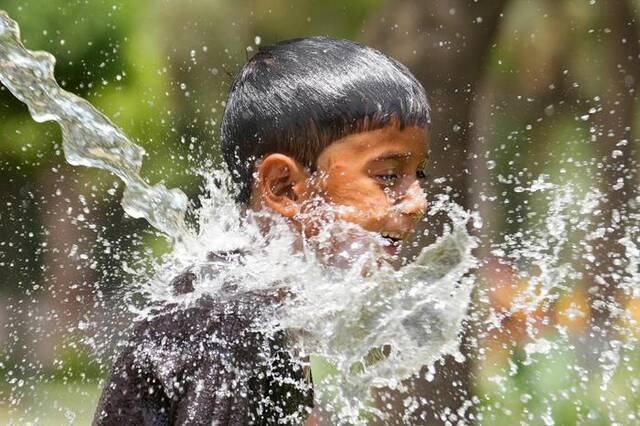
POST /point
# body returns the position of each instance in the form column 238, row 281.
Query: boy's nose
column 414, row 201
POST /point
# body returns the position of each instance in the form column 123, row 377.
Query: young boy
column 310, row 125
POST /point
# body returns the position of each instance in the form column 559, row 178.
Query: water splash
column 413, row 315
column 89, row 137
column 539, row 330
column 375, row 325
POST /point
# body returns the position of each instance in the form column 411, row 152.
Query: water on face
column 377, row 325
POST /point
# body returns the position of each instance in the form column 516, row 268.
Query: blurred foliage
column 161, row 71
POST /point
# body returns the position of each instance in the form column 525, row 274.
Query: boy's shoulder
column 225, row 319
column 213, row 359
column 211, row 335
column 215, row 263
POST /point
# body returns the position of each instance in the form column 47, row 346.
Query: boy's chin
column 392, row 249
column 343, row 244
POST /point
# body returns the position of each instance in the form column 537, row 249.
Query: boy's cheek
column 353, row 201
column 368, row 217
column 321, row 214
column 361, row 203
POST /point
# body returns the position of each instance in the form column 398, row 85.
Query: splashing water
column 343, row 315
column 89, row 138
column 377, row 325
column 415, row 313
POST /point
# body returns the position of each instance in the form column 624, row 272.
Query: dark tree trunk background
column 616, row 147
column 446, row 45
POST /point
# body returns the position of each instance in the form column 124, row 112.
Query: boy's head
column 333, row 120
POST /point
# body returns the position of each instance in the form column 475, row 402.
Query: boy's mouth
column 394, row 242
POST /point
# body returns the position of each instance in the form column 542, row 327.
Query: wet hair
column 298, row 96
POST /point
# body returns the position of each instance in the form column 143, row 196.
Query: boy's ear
column 282, row 183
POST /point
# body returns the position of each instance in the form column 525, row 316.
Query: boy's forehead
column 392, row 140
column 395, row 143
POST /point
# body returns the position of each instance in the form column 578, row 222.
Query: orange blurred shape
column 572, row 310
column 633, row 315
column 513, row 299
column 500, row 278
column 508, row 293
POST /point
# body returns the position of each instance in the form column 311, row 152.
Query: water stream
column 89, row 138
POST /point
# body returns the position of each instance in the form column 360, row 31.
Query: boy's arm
column 211, row 393
column 176, row 374
column 199, row 365
column 131, row 396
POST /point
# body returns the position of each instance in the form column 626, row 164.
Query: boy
column 310, row 125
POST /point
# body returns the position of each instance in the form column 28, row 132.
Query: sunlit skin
column 370, row 178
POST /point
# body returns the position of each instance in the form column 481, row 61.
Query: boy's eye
column 387, row 177
column 422, row 175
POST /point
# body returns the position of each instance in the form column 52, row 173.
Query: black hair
column 298, row 96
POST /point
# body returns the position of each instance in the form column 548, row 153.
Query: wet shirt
column 208, row 364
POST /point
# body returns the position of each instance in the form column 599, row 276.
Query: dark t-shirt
column 206, row 364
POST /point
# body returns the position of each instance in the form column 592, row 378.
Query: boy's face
column 371, row 179
column 375, row 177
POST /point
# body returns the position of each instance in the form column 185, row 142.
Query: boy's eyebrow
column 395, row 155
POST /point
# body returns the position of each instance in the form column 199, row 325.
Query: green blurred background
column 519, row 88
